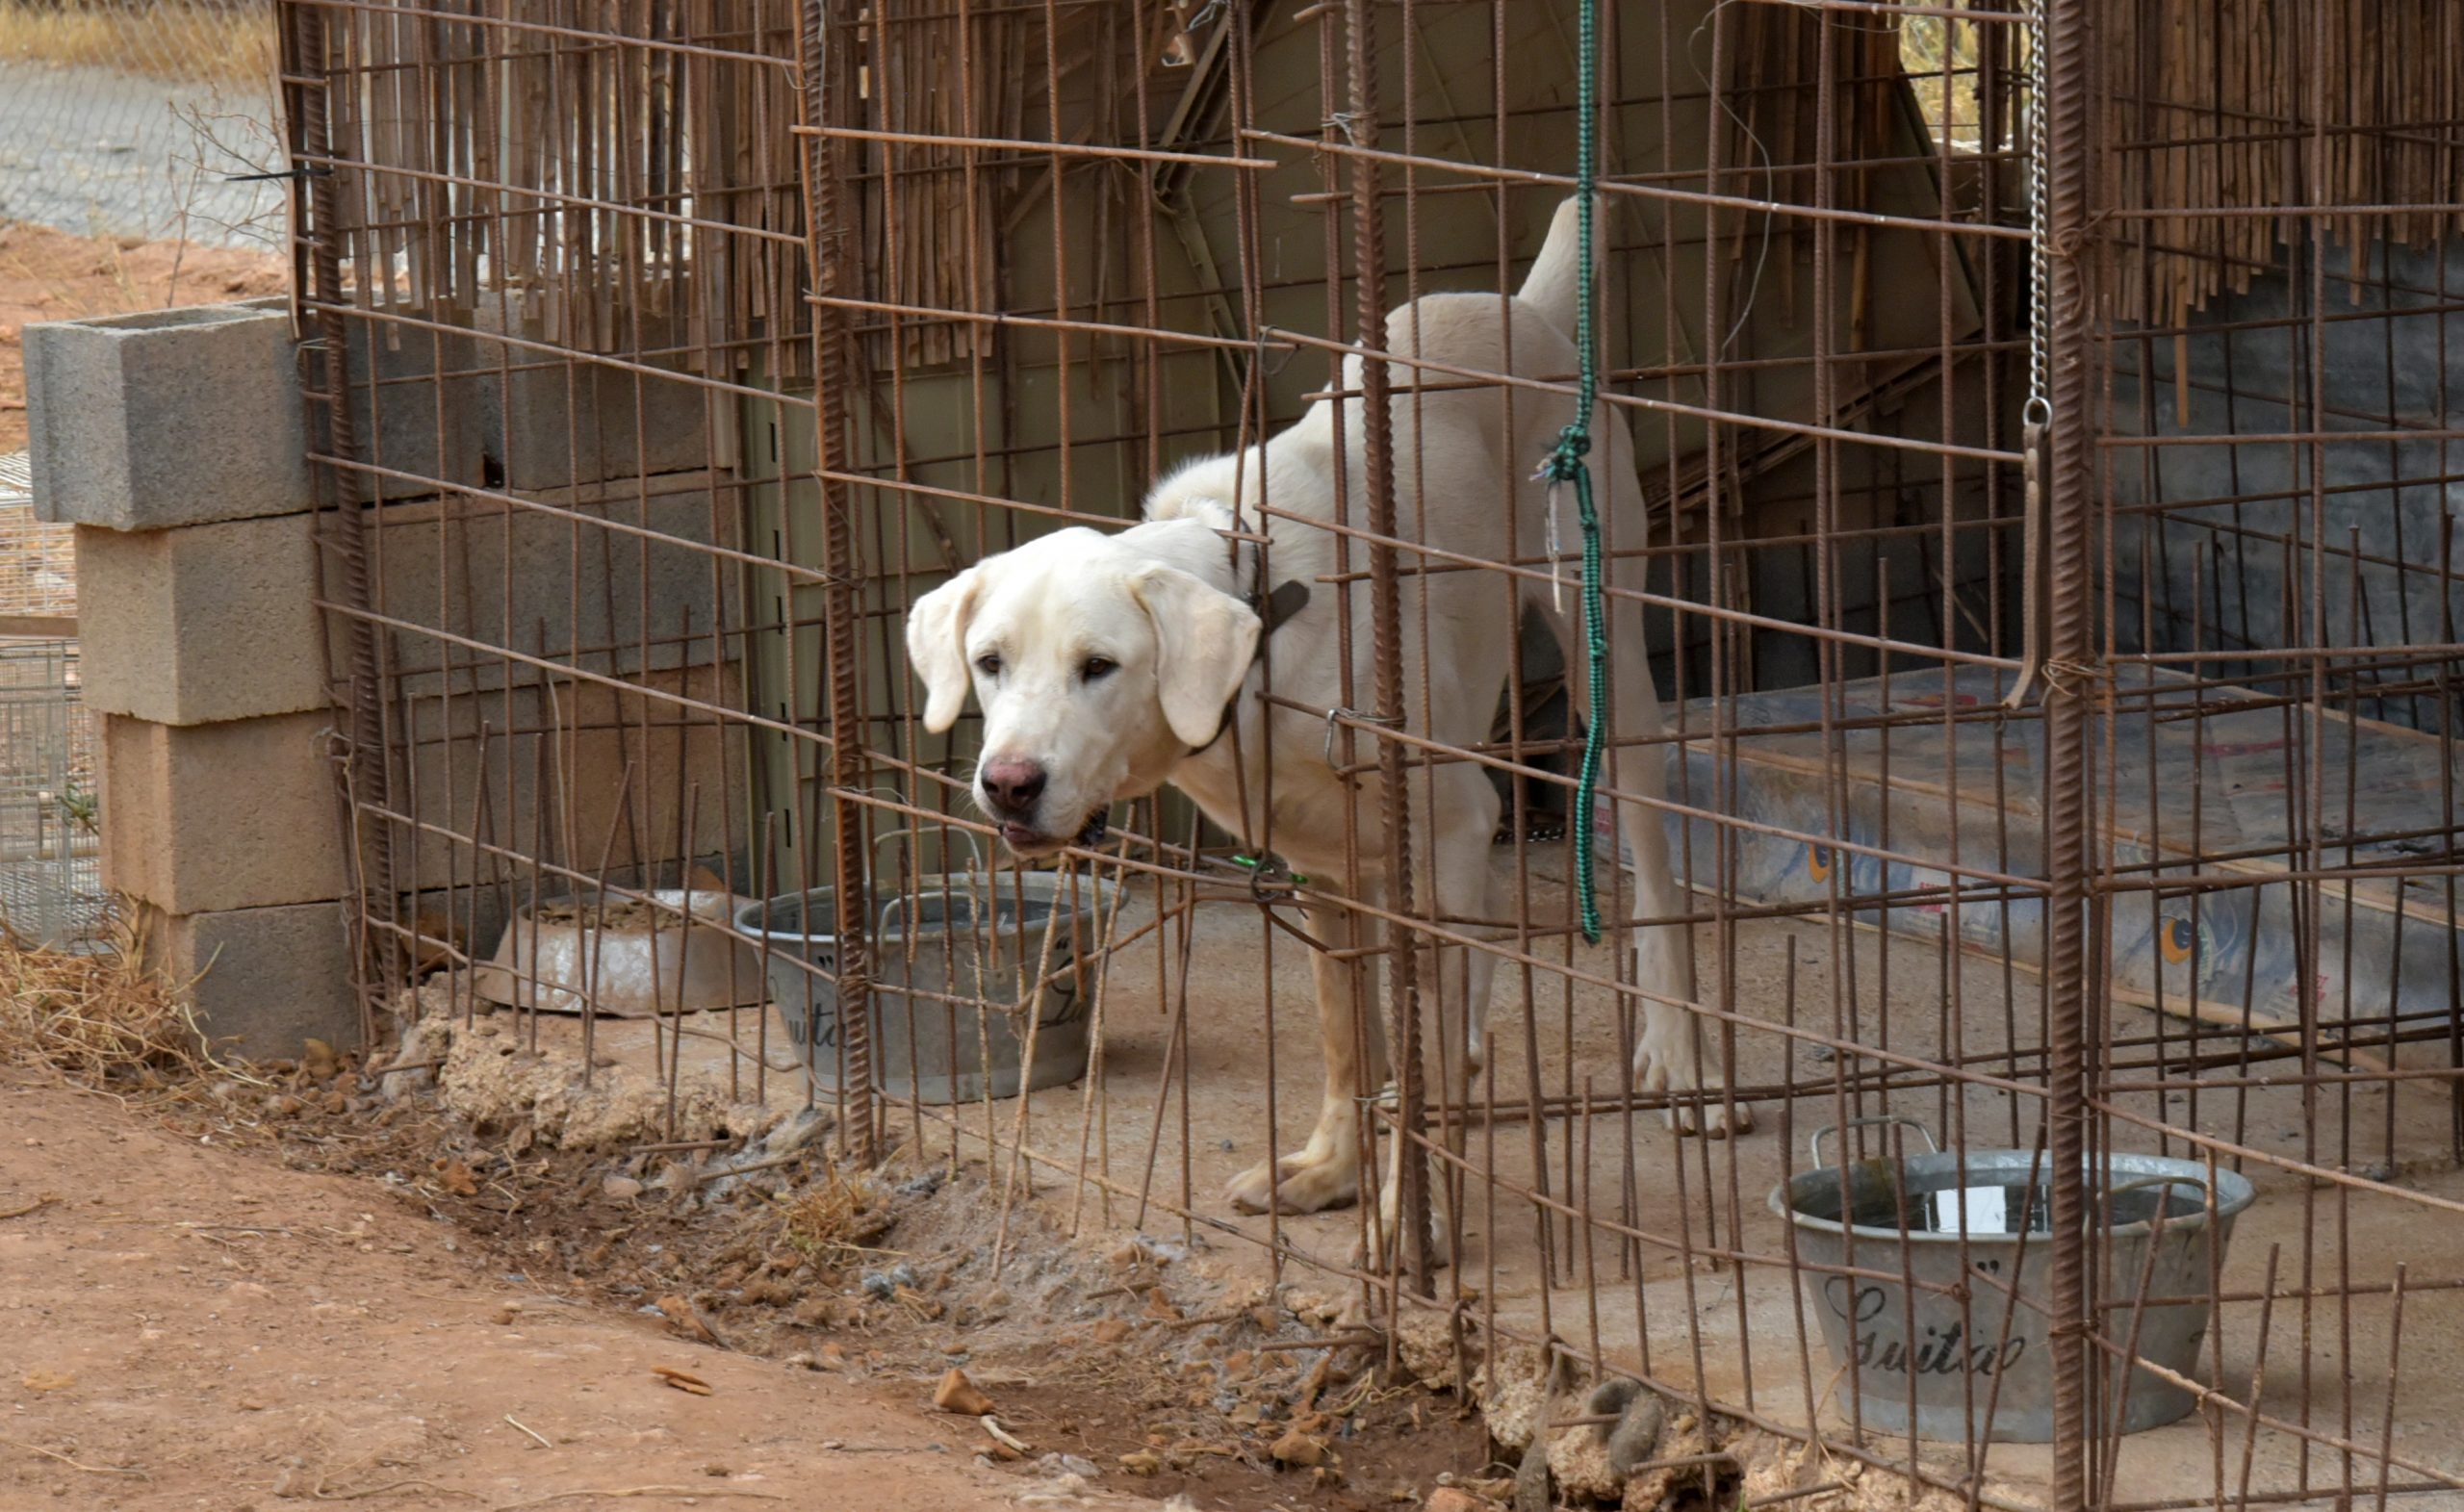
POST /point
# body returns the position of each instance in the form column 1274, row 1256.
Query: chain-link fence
column 51, row 886
column 141, row 120
column 50, row 833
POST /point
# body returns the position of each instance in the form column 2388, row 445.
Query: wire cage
column 50, row 856
column 51, row 886
column 2022, row 484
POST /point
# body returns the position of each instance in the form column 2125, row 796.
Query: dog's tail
column 1557, row 273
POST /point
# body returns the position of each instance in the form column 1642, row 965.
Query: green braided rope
column 1566, row 465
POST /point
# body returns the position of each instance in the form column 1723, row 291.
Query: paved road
column 100, row 153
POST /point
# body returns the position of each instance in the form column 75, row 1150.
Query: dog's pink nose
column 1011, row 786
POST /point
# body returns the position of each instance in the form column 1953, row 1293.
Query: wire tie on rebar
column 1340, row 121
column 1264, row 338
column 299, row 171
column 2059, row 675
column 1264, row 869
column 1362, row 716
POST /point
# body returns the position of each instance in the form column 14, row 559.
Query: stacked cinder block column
column 174, row 441
column 177, row 442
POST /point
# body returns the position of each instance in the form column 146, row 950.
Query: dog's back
column 1451, row 343
column 1455, row 339
column 1463, row 453
column 1446, row 338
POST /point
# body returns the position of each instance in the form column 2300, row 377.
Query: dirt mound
column 532, row 1096
column 50, row 276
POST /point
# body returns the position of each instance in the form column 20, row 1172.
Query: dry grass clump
column 834, row 1221
column 203, row 43
column 100, row 1018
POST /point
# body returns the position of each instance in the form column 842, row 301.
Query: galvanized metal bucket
column 1918, row 1357
column 966, row 938
column 594, row 948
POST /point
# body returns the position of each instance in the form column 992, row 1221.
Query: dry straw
column 834, row 1222
column 101, row 1019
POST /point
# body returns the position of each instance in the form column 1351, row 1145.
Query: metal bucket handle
column 977, row 880
column 2141, row 1184
column 1933, row 1146
column 975, row 850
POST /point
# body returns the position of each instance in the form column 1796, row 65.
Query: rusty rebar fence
column 2026, row 590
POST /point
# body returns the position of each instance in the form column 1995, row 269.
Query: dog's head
column 1098, row 664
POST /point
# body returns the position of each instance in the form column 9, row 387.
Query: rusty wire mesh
column 667, row 353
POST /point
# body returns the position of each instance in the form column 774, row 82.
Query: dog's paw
column 1306, row 1182
column 1717, row 1121
column 1375, row 1251
column 1378, row 1259
column 1663, row 1069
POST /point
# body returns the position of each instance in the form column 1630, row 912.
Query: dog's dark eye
column 988, row 664
column 1095, row 669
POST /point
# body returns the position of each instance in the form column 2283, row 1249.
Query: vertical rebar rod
column 826, row 230
column 1386, row 622
column 2064, row 140
column 341, row 567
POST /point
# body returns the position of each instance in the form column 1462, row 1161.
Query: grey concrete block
column 577, row 586
column 553, row 421
column 201, row 624
column 262, row 981
column 422, row 412
column 241, row 814
column 166, row 418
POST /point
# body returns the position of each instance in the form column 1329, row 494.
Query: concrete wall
column 2226, row 573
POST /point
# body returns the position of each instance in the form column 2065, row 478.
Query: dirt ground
column 50, row 276
column 255, row 1298
column 191, row 1325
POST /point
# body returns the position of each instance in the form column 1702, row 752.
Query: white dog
column 1107, row 665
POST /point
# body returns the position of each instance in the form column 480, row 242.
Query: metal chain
column 2040, row 405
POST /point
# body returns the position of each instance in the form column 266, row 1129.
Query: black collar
column 1273, row 610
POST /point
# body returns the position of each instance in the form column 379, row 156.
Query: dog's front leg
column 1455, row 983
column 1325, row 1171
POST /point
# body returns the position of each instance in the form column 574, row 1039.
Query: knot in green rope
column 1565, row 463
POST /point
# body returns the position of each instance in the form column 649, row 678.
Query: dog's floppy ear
column 1204, row 642
column 936, row 647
